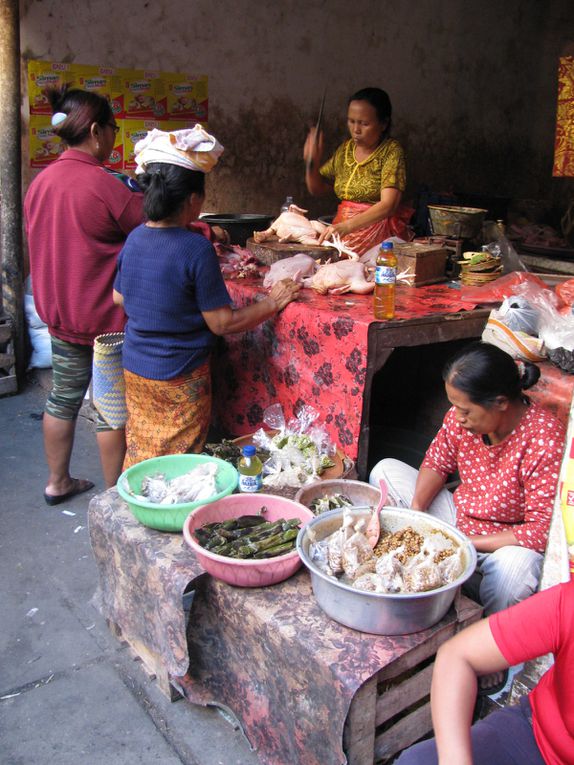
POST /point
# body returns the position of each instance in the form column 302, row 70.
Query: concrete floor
column 69, row 692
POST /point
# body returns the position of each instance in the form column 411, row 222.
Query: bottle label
column 385, row 275
column 250, row 483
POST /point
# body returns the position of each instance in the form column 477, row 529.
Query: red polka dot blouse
column 505, row 486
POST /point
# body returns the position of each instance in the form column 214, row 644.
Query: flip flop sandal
column 79, row 488
column 491, row 690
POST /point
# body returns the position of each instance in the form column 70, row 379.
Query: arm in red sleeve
column 132, row 213
column 200, row 227
column 530, row 628
column 541, row 624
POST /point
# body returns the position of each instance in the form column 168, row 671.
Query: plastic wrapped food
column 299, row 451
column 196, row 484
column 405, row 561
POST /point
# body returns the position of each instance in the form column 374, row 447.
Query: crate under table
column 8, row 379
column 304, row 688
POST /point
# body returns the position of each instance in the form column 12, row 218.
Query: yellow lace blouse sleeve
column 393, row 170
column 327, row 170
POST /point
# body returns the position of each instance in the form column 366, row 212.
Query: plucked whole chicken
column 338, row 278
column 292, row 226
column 295, row 267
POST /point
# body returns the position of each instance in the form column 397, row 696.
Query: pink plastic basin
column 246, row 573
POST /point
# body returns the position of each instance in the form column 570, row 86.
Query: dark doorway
column 408, row 402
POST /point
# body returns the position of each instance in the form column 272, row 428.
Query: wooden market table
column 326, row 351
column 304, row 688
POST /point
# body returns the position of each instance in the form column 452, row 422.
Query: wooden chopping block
column 271, row 251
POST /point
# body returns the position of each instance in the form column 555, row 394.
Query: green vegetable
column 226, row 450
column 329, row 502
column 326, row 462
column 252, row 541
column 272, row 552
column 215, row 540
column 230, row 452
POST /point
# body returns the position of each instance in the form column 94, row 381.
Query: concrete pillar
column 10, row 178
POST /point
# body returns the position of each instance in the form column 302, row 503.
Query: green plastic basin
column 171, row 517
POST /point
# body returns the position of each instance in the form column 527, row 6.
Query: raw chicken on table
column 338, row 278
column 335, row 278
column 292, row 226
column 295, row 267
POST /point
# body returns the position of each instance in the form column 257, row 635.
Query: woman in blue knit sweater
column 175, row 299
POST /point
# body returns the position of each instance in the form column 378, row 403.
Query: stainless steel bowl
column 382, row 613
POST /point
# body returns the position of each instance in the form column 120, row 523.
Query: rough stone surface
column 473, row 86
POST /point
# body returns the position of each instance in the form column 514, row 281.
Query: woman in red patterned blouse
column 507, row 451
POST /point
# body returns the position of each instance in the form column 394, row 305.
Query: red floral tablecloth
column 315, row 352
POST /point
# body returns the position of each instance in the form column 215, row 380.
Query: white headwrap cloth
column 191, row 148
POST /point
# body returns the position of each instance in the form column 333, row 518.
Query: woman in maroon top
column 78, row 215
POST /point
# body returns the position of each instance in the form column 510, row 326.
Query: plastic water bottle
column 250, row 470
column 385, row 280
column 286, row 204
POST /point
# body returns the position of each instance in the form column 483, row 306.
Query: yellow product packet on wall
column 44, row 74
column 45, row 147
column 106, row 81
column 187, row 97
column 116, row 159
column 144, row 94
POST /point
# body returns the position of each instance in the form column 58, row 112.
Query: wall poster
column 141, row 100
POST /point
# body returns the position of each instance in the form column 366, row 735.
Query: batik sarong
column 167, row 416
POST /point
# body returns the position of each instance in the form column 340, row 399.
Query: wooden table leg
column 150, row 660
column 359, row 734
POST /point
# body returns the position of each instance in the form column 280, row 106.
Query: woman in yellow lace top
column 367, row 173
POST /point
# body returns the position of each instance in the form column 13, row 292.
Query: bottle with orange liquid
column 385, row 280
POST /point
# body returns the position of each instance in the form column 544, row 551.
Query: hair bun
column 529, row 374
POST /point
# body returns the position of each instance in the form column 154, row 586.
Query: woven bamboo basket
column 108, row 379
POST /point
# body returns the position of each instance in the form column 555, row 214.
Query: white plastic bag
column 517, row 313
column 41, row 357
column 554, row 328
column 517, row 344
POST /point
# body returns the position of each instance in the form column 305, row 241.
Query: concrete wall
column 473, row 84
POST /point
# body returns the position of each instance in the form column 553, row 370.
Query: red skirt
column 362, row 240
